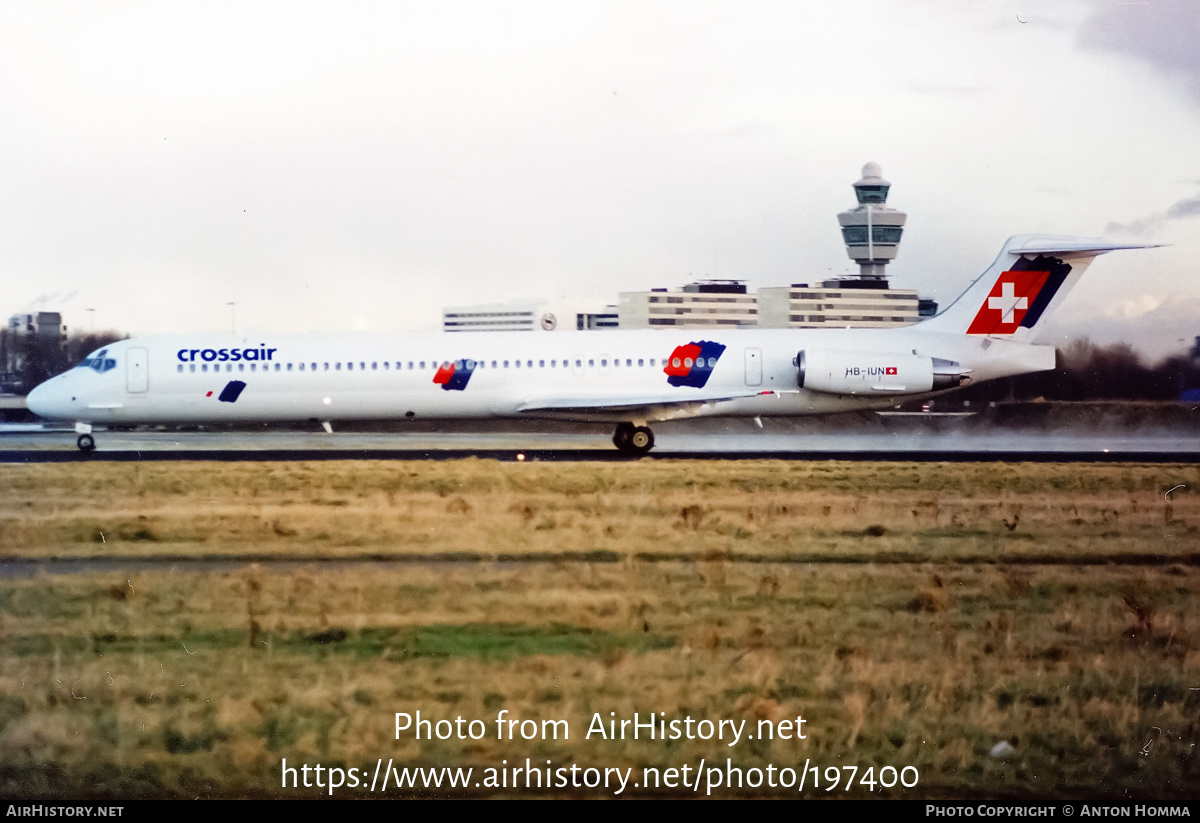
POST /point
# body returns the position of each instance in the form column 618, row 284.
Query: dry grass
column 767, row 510
column 167, row 683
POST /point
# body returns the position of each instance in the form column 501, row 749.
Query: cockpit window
column 98, row 362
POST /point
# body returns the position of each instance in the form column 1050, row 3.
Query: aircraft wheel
column 86, row 442
column 641, row 441
column 621, row 436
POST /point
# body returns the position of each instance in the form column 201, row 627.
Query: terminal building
column 848, row 303
column 528, row 315
column 706, row 304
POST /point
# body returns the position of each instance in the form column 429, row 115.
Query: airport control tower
column 872, row 231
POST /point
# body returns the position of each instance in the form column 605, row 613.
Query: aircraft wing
column 633, row 402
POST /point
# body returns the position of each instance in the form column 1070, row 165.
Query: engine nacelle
column 877, row 373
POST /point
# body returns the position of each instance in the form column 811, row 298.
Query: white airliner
column 630, row 378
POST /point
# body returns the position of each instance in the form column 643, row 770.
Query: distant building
column 31, row 350
column 45, row 324
column 850, row 303
column 527, row 315
column 708, row 303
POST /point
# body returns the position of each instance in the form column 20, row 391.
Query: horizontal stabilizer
column 1043, row 244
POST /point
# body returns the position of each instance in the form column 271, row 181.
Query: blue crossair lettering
column 222, row 355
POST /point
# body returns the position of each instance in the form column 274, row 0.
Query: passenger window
column 179, row 368
column 191, row 367
column 641, row 362
column 241, row 366
column 290, row 366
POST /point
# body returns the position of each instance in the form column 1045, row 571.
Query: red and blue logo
column 454, row 376
column 692, row 364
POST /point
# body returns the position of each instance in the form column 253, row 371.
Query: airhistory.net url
column 527, row 777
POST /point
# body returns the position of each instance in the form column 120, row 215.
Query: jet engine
column 881, row 373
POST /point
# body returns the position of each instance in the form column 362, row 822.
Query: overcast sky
column 335, row 166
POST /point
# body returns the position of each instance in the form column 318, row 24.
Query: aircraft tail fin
column 1027, row 281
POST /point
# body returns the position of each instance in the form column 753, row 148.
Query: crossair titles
column 209, row 355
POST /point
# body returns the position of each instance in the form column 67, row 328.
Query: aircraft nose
column 47, row 400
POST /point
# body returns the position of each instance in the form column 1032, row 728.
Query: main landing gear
column 633, row 439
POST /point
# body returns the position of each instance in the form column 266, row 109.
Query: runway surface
column 39, row 446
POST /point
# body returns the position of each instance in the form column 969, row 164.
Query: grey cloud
column 1163, row 33
column 1184, row 208
column 1145, row 226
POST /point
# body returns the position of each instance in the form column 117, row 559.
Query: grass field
column 914, row 614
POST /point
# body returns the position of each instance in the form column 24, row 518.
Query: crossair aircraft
column 629, row 378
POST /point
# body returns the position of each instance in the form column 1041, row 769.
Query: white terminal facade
column 871, row 232
column 528, row 315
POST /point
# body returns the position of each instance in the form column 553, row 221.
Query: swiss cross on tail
column 1019, row 296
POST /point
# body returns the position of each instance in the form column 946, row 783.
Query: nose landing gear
column 633, row 439
column 86, row 442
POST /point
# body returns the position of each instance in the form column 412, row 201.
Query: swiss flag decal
column 890, row 370
column 1007, row 302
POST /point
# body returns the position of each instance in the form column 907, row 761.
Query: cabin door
column 137, row 378
column 753, row 367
